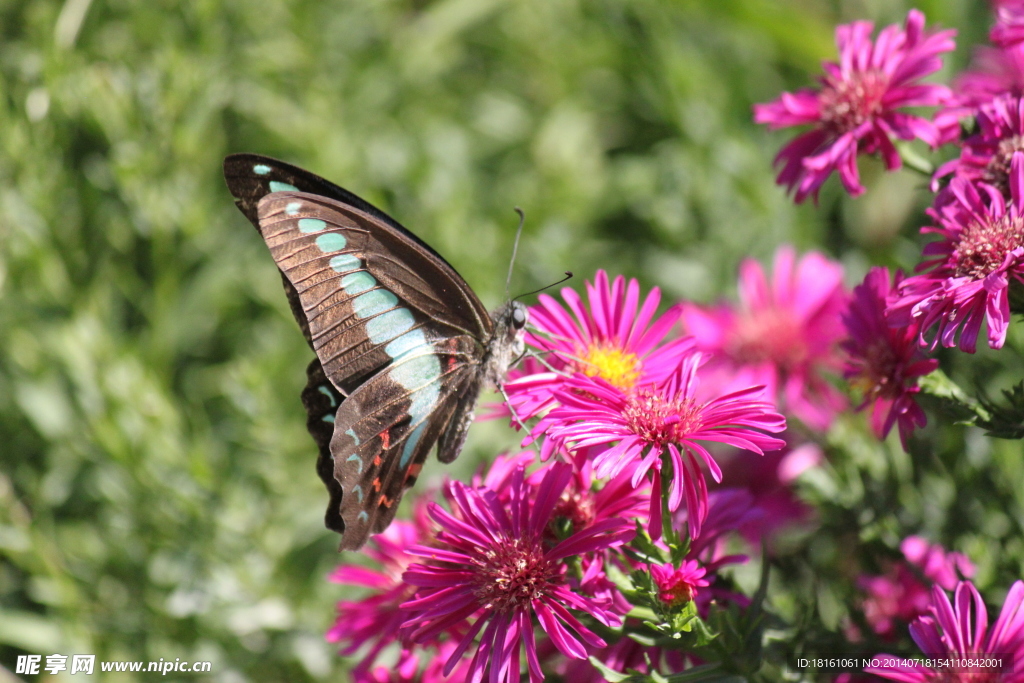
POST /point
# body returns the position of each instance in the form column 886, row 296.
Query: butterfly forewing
column 366, row 295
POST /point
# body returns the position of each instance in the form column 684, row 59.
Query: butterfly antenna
column 568, row 275
column 515, row 248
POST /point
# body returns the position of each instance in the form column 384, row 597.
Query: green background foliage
column 157, row 490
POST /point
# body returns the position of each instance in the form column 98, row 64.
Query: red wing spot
column 385, row 501
column 452, row 362
column 376, row 460
column 376, row 485
column 385, row 438
column 414, row 471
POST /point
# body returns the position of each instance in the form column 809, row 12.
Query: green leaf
column 954, row 399
column 1005, row 421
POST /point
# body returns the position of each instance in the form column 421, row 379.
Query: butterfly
column 403, row 345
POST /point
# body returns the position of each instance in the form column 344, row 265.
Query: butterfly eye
column 518, row 318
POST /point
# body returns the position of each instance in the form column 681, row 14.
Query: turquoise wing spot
column 356, row 439
column 261, row 169
column 417, row 372
column 410, row 445
column 312, row 225
column 374, row 302
column 330, row 242
column 392, row 324
column 363, row 517
column 342, row 263
column 423, row 403
column 357, row 283
column 355, row 457
column 326, row 392
column 406, row 343
column 358, row 490
column 293, row 208
column 328, row 418
column 277, row 186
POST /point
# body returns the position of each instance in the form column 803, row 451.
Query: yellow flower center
column 611, row 364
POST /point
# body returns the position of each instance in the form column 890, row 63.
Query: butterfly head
column 507, row 342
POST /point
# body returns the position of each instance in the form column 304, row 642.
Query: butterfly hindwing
column 386, row 428
column 321, row 400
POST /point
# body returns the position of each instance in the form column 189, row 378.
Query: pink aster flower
column 375, row 620
column 663, row 419
column 769, row 482
column 994, row 72
column 583, row 505
column 884, row 362
column 967, row 280
column 986, row 156
column 1009, row 27
column 900, row 595
column 613, row 336
column 961, row 630
column 784, row 334
column 677, row 587
column 490, row 561
column 857, row 109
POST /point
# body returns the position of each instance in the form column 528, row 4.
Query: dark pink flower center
column 983, row 247
column 577, row 507
column 847, row 103
column 512, row 574
column 656, row 420
column 768, row 335
column 880, row 372
column 997, row 173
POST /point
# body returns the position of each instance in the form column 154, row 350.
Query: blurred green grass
column 157, row 491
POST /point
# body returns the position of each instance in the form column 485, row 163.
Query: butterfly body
column 403, row 345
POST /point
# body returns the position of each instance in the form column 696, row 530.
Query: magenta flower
column 584, row 506
column 677, row 587
column 614, row 337
column 857, row 109
column 960, row 629
column 729, row 510
column 986, row 156
column 376, row 619
column 768, row 480
column 967, row 280
column 664, row 419
column 936, row 563
column 1009, row 27
column 994, row 73
column 784, row 334
column 899, row 596
column 884, row 362
column 490, row 560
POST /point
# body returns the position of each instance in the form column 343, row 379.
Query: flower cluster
column 675, row 441
column 524, row 569
column 957, row 636
column 903, row 593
